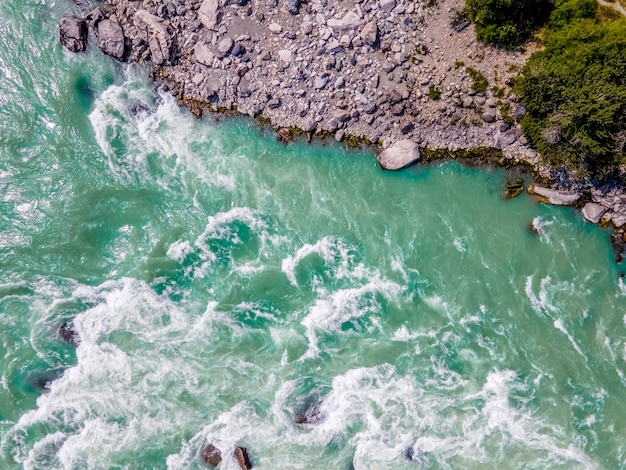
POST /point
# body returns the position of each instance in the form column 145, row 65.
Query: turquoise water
column 222, row 284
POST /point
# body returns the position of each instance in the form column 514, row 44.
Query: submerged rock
column 68, row 333
column 513, row 188
column 242, row 458
column 401, row 154
column 211, row 455
column 73, row 33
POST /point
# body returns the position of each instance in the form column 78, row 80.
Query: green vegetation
column 479, row 81
column 434, row 93
column 574, row 90
column 507, row 23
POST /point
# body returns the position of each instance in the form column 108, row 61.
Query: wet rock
column 209, row 13
column 532, row 228
column 73, row 33
column 593, row 212
column 513, row 188
column 553, row 196
column 211, row 455
column 283, row 135
column 154, row 31
column 618, row 244
column 111, row 38
column 401, row 154
column 242, row 458
column 310, row 415
column 68, row 333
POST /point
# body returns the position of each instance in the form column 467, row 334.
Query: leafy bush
column 479, row 81
column 507, row 23
column 574, row 90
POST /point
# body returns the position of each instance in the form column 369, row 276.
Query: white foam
column 332, row 250
column 558, row 324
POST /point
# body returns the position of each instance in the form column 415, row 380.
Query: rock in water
column 111, row 38
column 68, row 333
column 211, row 455
column 593, row 212
column 155, row 33
column 209, row 14
column 401, row 154
column 553, row 196
column 242, row 458
column 73, row 33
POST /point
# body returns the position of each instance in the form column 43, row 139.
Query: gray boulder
column 553, row 196
column 111, row 38
column 209, row 13
column 350, row 20
column 401, row 154
column 73, row 33
column 593, row 212
column 369, row 34
column 154, row 31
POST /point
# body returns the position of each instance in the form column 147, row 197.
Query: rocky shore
column 400, row 74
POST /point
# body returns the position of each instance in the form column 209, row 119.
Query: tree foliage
column 574, row 90
column 507, row 23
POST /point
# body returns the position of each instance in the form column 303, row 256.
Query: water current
column 222, row 284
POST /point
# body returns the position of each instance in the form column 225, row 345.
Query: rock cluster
column 392, row 72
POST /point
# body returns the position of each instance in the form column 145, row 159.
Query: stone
column 513, row 188
column 68, row 333
column 319, row 82
column 73, row 33
column 111, row 38
column 350, row 21
column 293, row 6
column 224, row 46
column 155, row 32
column 285, row 55
column 341, row 115
column 275, row 28
column 242, row 458
column 388, row 66
column 387, row 5
column 211, row 455
column 370, row 108
column 553, row 196
column 401, row 154
column 306, row 27
column 489, row 115
column 309, row 125
column 593, row 212
column 406, row 125
column 334, row 46
column 369, row 34
column 339, row 135
column 504, row 139
column 209, row 13
column 203, row 55
column 274, row 103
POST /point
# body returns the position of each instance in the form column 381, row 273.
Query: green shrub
column 479, row 81
column 574, row 90
column 434, row 93
column 507, row 23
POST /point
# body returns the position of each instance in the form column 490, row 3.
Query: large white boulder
column 402, row 153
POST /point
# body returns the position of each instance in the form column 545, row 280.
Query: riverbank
column 398, row 74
